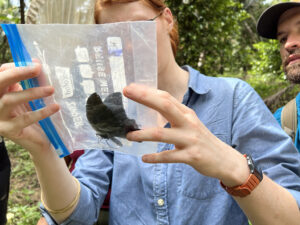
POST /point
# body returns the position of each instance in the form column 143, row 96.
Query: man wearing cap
column 282, row 22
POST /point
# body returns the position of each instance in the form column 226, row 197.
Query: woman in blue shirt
column 211, row 124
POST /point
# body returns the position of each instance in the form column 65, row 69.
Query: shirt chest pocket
column 194, row 185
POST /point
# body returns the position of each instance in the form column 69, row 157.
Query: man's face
column 288, row 34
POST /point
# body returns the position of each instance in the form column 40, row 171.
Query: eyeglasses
column 154, row 18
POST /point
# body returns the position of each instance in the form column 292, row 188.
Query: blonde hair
column 157, row 5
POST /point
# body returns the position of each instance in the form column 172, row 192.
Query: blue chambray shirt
column 148, row 194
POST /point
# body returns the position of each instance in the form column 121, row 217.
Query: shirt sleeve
column 93, row 170
column 255, row 131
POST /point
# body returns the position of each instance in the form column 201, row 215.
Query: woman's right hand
column 17, row 121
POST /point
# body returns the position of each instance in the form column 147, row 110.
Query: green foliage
column 266, row 60
column 208, row 31
column 219, row 38
column 23, row 202
column 266, row 74
column 8, row 14
column 24, row 166
column 23, row 215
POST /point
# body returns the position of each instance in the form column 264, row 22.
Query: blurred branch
column 273, row 99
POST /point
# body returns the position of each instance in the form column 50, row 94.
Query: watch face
column 256, row 170
column 250, row 163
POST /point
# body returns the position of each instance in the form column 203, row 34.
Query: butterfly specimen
column 108, row 117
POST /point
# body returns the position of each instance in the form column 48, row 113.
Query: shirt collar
column 198, row 82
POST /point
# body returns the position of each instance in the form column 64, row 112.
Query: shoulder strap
column 289, row 118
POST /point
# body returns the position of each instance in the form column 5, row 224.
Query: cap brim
column 268, row 21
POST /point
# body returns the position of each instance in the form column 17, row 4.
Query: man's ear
column 168, row 16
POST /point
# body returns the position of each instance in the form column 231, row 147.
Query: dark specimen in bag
column 108, row 117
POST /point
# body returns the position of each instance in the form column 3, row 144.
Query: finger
column 160, row 101
column 12, row 99
column 169, row 156
column 30, row 118
column 174, row 100
column 14, row 75
column 6, row 66
column 158, row 134
column 15, row 87
column 42, row 78
column 180, row 106
column 11, row 65
column 35, row 60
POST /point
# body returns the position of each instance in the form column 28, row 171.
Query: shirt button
column 160, row 202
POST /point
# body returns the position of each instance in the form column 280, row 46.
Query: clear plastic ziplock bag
column 89, row 65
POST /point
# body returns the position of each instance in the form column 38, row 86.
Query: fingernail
column 127, row 91
column 129, row 136
column 54, row 107
column 146, row 158
column 32, row 65
column 49, row 89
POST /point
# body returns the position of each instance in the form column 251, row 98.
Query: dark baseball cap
column 268, row 21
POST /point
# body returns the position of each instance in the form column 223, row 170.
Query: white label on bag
column 103, row 82
column 100, row 66
column 82, row 55
column 86, row 71
column 117, row 66
column 117, row 72
column 76, row 117
column 115, row 46
column 65, row 80
column 88, row 86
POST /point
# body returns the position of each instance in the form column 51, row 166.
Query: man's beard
column 292, row 72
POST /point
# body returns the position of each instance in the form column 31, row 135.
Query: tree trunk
column 22, row 11
column 273, row 100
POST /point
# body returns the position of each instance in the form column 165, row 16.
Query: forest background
column 217, row 37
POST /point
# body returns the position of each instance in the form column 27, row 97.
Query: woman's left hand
column 194, row 143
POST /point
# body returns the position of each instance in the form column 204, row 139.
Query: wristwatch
column 253, row 180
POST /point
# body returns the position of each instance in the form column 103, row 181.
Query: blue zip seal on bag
column 22, row 58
